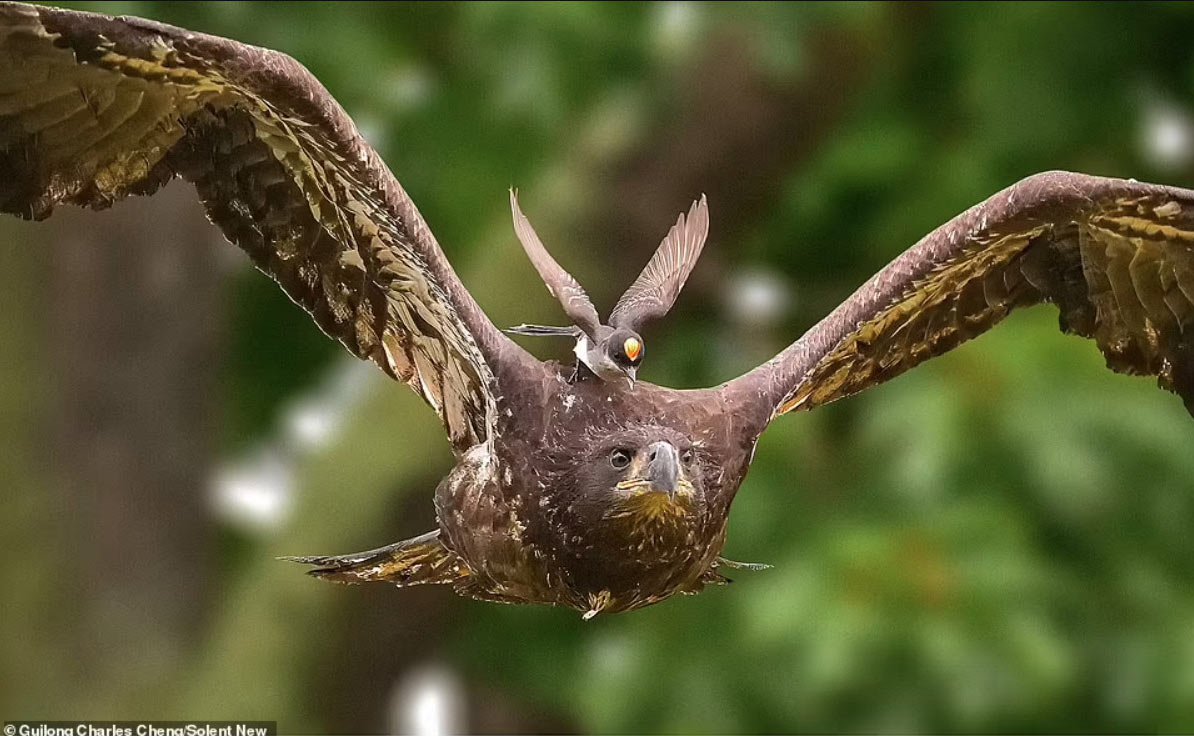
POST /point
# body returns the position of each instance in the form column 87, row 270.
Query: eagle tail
column 418, row 561
column 543, row 331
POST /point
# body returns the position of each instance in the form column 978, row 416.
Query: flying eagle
column 598, row 495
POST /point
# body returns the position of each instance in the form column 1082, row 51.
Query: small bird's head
column 624, row 348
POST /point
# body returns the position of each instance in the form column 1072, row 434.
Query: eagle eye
column 619, row 458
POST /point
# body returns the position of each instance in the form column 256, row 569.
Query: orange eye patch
column 632, row 348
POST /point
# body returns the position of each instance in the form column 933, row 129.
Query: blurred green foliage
column 998, row 541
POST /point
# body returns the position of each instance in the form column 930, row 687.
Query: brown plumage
column 585, row 493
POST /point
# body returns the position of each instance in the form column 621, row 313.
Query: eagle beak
column 631, row 374
column 663, row 467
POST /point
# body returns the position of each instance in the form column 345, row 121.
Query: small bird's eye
column 686, row 458
column 632, row 348
column 619, row 458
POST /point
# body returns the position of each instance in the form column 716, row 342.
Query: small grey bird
column 615, row 350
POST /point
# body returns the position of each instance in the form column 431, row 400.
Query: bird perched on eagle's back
column 587, row 494
column 616, row 350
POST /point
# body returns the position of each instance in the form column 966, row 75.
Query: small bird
column 616, row 350
column 591, row 495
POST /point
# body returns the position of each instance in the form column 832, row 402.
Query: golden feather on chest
column 642, row 506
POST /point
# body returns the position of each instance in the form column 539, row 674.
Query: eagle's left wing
column 94, row 108
column 1116, row 257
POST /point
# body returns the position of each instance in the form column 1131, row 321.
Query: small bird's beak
column 631, row 374
column 663, row 467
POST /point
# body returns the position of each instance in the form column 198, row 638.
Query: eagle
column 569, row 490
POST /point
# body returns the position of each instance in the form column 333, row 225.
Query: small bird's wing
column 94, row 108
column 1115, row 256
column 560, row 283
column 655, row 290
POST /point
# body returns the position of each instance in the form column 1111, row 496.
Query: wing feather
column 560, row 284
column 1115, row 256
column 94, row 108
column 655, row 290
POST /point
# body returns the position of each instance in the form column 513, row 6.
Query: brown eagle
column 595, row 494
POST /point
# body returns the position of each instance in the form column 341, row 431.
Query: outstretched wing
column 655, row 290
column 560, row 284
column 1115, row 256
column 94, row 108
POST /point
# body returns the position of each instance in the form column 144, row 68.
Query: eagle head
column 631, row 520
column 643, row 475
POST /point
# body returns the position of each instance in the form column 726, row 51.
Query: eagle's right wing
column 94, row 108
